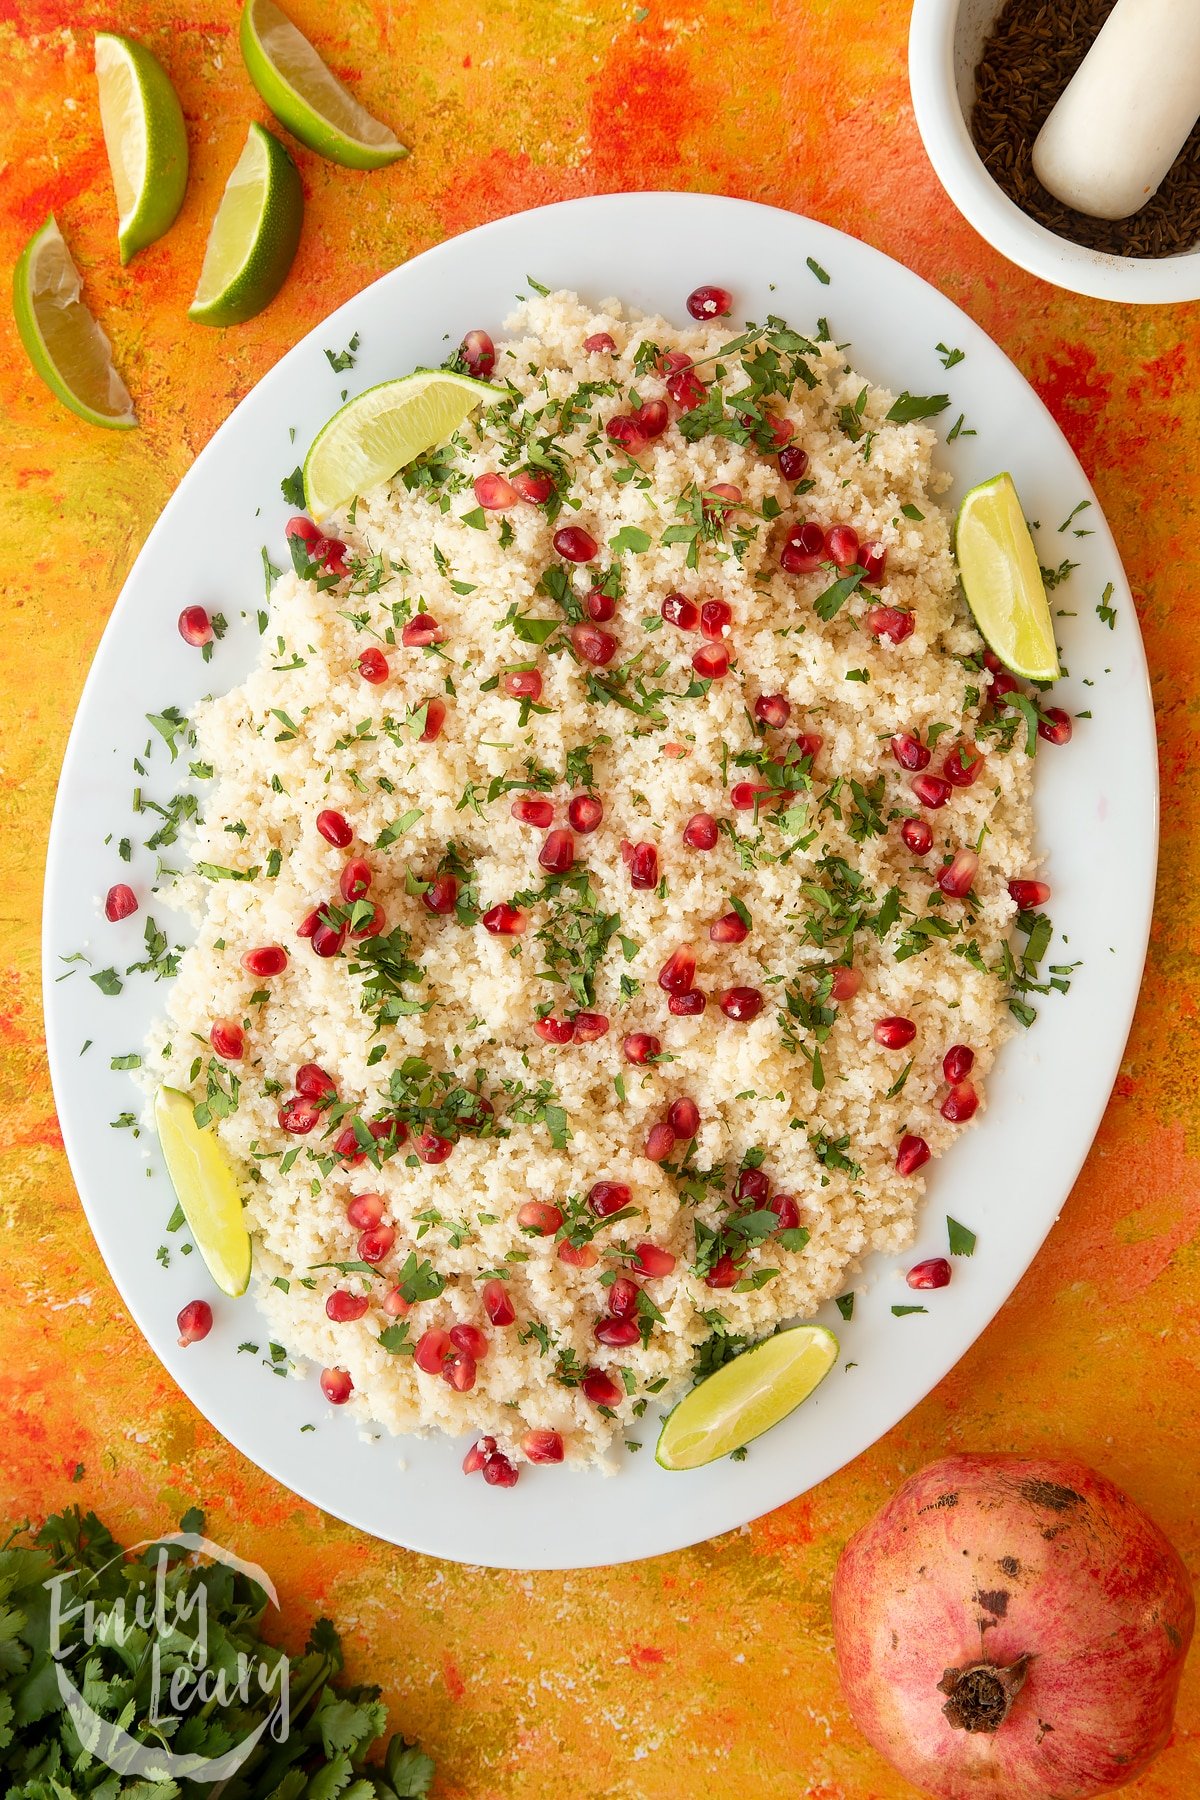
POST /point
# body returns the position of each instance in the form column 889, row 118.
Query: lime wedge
column 65, row 344
column 206, row 1189
column 254, row 235
column 306, row 96
column 746, row 1397
column 1002, row 579
column 145, row 139
column 381, row 430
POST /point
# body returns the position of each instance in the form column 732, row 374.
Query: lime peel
column 207, row 1190
column 382, row 429
column 1002, row 579
column 254, row 236
column 145, row 137
column 306, row 96
column 65, row 344
column 745, row 1397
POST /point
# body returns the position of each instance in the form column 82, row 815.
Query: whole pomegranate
column 1012, row 1626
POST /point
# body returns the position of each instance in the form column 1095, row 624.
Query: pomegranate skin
column 990, row 1559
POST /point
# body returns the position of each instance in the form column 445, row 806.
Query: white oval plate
column 1097, row 819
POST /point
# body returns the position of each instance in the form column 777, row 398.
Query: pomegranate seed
column 958, row 874
column 608, row 1197
column 640, row 1046
column 374, row 1245
column 711, row 661
column 478, row 354
column 532, row 487
column 841, row 546
column 626, row 431
column 934, row 1273
column 119, row 902
column 600, row 1388
column 715, row 616
column 1055, row 726
column 270, row 960
column 302, row 528
column 723, row 1273
column 960, row 1103
column 1004, row 683
column 373, row 666
column 688, row 1005
column 505, row 920
column 891, row 623
column 710, row 303
column 336, row 1386
column 298, row 1116
column 773, row 709
column 372, row 925
column 1029, row 894
column 618, row 1332
column 957, row 1063
column 909, row 751
column 589, row 1026
column 435, row 718
column 477, row 1455
column 660, row 1141
column 497, row 1304
column 195, row 626
column 523, row 684
column 599, row 606
column 529, row 809
column 343, row 1307
column 653, row 418
column 420, row 632
column 327, row 940
column 395, row 1305
column 751, row 1184
column 365, row 1211
column 741, row 1003
column 334, row 829
column 441, row 895
column 499, row 1472
column 683, row 1116
column 459, row 1371
column 575, row 545
column 539, row 1217
column 786, row 1211
column 331, row 552
column 579, row 1256
column 679, row 971
column 653, row 1261
column 470, row 1339
column 686, row 388
column 793, row 463
column 962, row 765
column 846, row 983
column 894, row 1033
column 931, row 790
column 495, row 493
column 643, row 866
column 623, row 1297
column 585, row 813
column 355, row 879
column 593, row 645
column 719, row 501
column 431, row 1350
column 555, row 1031
column 912, row 1154
column 803, row 549
column 730, row 928
column 228, row 1040
column 600, row 341
column 872, row 560
column 194, row 1322
column 700, row 832
column 678, row 610
column 543, row 1446
column 313, row 1082
column 431, row 1148
column 557, row 854
column 918, row 835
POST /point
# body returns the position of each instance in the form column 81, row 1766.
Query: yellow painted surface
column 706, row 1675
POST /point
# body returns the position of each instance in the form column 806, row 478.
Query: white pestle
column 1127, row 112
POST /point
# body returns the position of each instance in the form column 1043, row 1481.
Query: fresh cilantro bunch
column 41, row 1755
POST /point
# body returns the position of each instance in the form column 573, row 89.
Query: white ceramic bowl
column 945, row 43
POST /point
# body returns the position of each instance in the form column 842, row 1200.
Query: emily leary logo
column 171, row 1622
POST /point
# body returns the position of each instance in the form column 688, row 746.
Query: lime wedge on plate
column 254, row 235
column 206, row 1188
column 382, row 430
column 746, row 1397
column 65, row 344
column 145, row 138
column 306, row 96
column 1002, row 580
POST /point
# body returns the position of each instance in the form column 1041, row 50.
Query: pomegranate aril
column 688, row 1005
column 119, row 902
column 373, row 666
column 542, row 1446
column 723, row 1274
column 894, row 1033
column 912, row 1153
column 574, row 544
column 530, row 809
column 1029, row 894
column 625, row 431
column 499, row 1472
column 891, row 623
column 751, row 1184
column 640, row 1046
column 557, row 854
column 957, row 1063
column 309, row 923
column 435, row 718
column 600, row 343
column 793, row 463
column 960, row 1104
column 523, row 684
column 478, row 354
column 1004, row 683
column 686, row 388
column 710, row 303
column 327, row 940
column 555, row 1031
column 470, row 1339
column 539, row 1217
column 608, row 1197
column 420, row 632
column 585, row 813
column 336, row 1386
column 270, row 960
column 872, row 560
column 495, row 493
column 302, row 528
column 372, row 925
column 532, row 487
column 786, row 1211
column 335, row 829
column 962, row 764
column 374, row 1244
column 227, row 1039
column 841, row 546
column 195, row 626
column 355, row 879
column 395, row 1305
column 679, row 971
column 477, row 1455
column 623, row 1298
column 601, row 1389
column 617, row 1332
column 497, row 1304
column 578, row 1256
column 933, row 1273
column 730, row 928
column 441, row 895
column 298, row 1116
column 910, row 752
column 678, row 610
column 711, row 661
column 431, row 1350
column 803, row 549
column 194, row 1322
column 459, row 1371
column 431, row 1148
column 741, row 1003
column 701, row 832
column 654, row 1262
column 931, row 790
column 599, row 606
column 365, row 1211
column 773, row 709
column 660, row 1142
column 590, row 1026
column 956, row 878
column 653, row 419
column 643, row 866
column 715, row 616
column 505, row 920
column 1055, row 726
column 344, row 1307
column 314, row 1082
column 683, row 1116
column 846, row 983
column 918, row 835
column 593, row 645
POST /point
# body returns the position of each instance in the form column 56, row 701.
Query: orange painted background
column 709, row 1674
